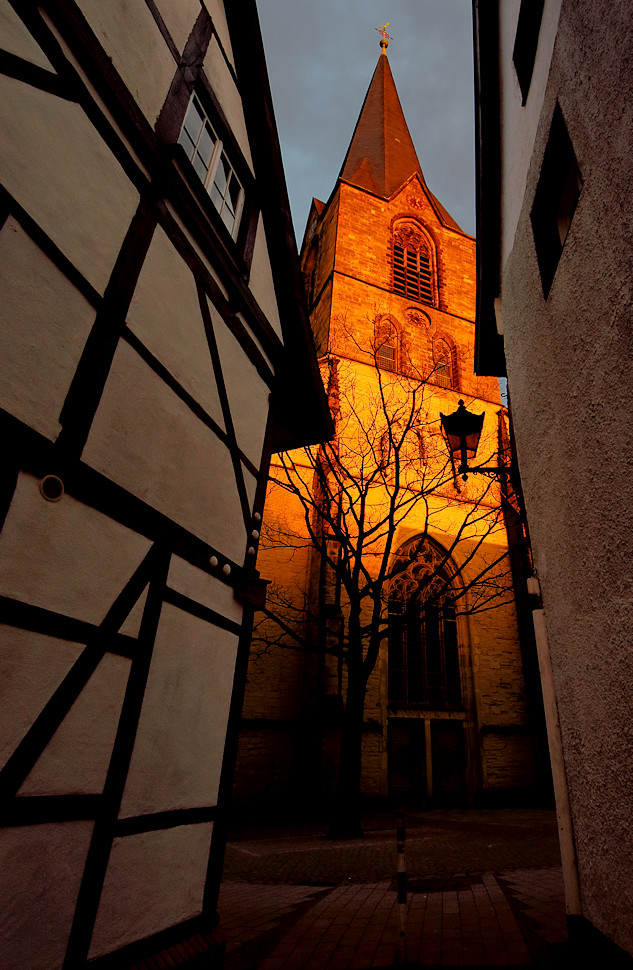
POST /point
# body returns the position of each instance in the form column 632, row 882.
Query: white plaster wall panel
column 76, row 758
column 179, row 745
column 519, row 122
column 147, row 439
column 16, row 39
column 251, row 486
column 44, row 324
column 65, row 556
column 248, row 394
column 253, row 336
column 170, row 866
column 202, row 254
column 165, row 315
column 32, row 666
column 261, row 280
column 205, row 589
column 131, row 626
column 179, row 18
column 55, row 163
column 131, row 38
column 42, row 866
column 225, row 90
column 217, row 11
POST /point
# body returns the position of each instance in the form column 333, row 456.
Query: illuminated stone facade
column 390, row 282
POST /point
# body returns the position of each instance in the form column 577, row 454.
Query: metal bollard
column 402, row 889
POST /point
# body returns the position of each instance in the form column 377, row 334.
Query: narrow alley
column 484, row 889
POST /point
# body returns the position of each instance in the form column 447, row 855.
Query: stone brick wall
column 348, row 260
column 508, row 761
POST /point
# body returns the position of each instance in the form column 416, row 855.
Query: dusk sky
column 321, row 56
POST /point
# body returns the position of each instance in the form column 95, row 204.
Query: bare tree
column 387, row 467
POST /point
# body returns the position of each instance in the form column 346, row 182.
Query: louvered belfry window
column 412, row 267
column 443, row 364
column 386, row 356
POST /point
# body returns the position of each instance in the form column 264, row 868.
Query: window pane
column 222, row 174
column 200, row 167
column 206, row 144
column 433, row 649
column 235, row 190
column 228, row 218
column 216, row 197
column 396, row 654
column 186, row 143
column 399, row 273
column 415, row 663
column 194, row 119
column 451, row 653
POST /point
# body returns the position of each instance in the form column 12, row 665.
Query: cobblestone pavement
column 485, row 890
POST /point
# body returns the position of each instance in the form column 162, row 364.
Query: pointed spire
column 381, row 156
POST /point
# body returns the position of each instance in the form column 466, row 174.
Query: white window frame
column 211, row 165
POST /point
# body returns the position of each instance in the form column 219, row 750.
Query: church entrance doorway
column 427, row 761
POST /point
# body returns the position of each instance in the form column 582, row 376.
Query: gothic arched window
column 444, row 369
column 386, row 355
column 423, row 650
column 412, row 264
column 386, row 346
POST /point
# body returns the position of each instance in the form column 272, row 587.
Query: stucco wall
column 519, row 122
column 569, row 378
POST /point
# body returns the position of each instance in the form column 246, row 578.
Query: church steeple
column 381, row 156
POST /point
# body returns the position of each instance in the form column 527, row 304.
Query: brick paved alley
column 485, row 889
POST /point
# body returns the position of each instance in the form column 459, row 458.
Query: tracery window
column 412, row 264
column 423, row 660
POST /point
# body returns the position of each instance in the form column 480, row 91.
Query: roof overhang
column 489, row 353
column 300, row 410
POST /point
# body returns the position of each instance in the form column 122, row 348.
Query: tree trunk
column 346, row 820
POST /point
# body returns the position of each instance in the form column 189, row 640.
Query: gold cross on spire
column 384, row 43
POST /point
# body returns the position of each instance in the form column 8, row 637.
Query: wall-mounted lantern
column 462, row 430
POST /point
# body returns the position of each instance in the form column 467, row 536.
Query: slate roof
column 381, row 156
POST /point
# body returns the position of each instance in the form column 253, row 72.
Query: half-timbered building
column 154, row 351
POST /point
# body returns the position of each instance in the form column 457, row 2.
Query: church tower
column 384, row 250
column 390, row 285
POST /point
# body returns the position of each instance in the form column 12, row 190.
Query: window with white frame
column 206, row 153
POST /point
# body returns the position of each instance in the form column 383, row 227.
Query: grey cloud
column 321, row 57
